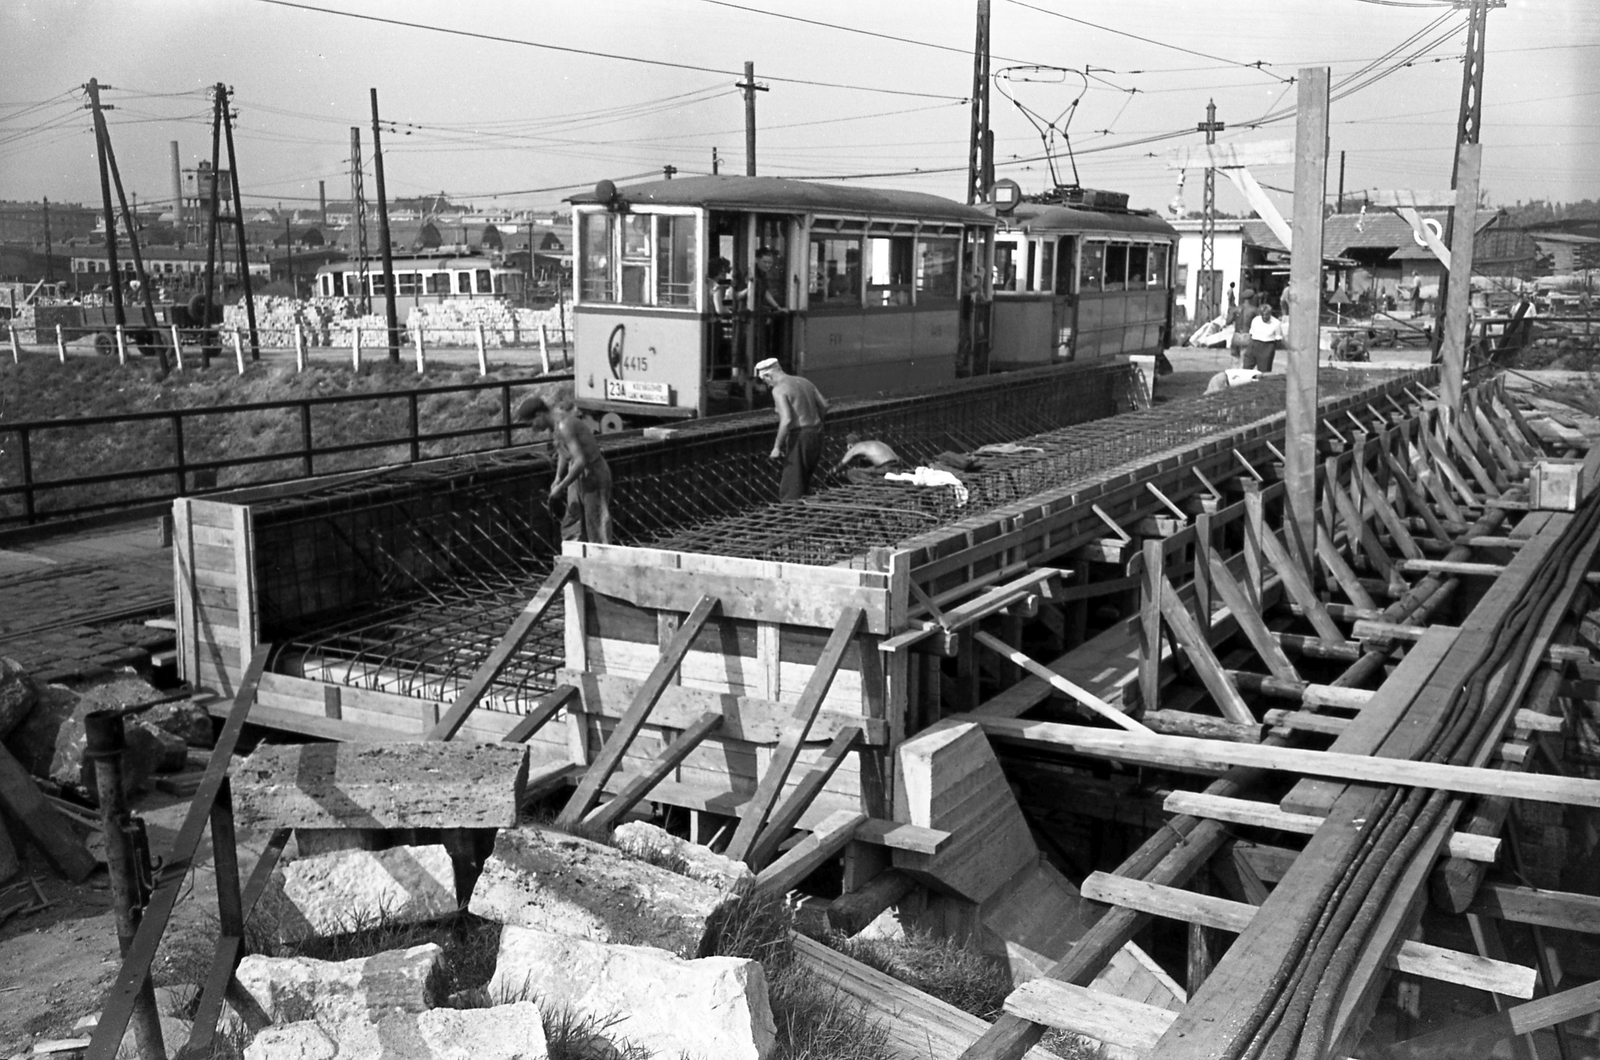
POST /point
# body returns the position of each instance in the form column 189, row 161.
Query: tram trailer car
column 1077, row 282
column 424, row 280
column 887, row 291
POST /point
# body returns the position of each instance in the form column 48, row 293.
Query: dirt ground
column 55, row 964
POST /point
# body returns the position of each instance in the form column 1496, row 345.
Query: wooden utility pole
column 93, row 88
column 1305, row 325
column 130, row 221
column 750, row 88
column 980, row 141
column 716, row 163
column 238, row 224
column 49, row 249
column 213, row 208
column 389, row 316
column 1469, row 117
column 1453, row 350
column 288, row 256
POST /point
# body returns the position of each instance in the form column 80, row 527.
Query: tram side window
column 938, row 267
column 1158, row 265
column 463, row 283
column 1094, row 265
column 378, row 283
column 835, row 270
column 406, row 283
column 1138, row 265
column 325, row 284
column 352, row 285
column 1064, row 267
column 438, row 282
column 1047, row 265
column 483, row 281
column 1005, row 266
column 594, row 255
column 636, row 259
column 675, row 258
column 1116, row 270
column 889, row 270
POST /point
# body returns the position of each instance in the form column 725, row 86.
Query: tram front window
column 594, row 256
column 1005, row 266
column 675, row 261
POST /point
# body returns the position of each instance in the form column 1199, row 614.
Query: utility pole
column 49, row 251
column 322, row 203
column 358, row 217
column 980, row 144
column 130, row 221
column 177, row 193
column 93, row 88
column 750, row 88
column 1339, row 207
column 1205, row 278
column 1305, row 277
column 715, row 162
column 288, row 256
column 213, row 211
column 1468, row 118
column 238, row 221
column 383, row 239
column 668, row 171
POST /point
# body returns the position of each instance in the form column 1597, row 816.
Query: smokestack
column 177, row 194
column 322, row 203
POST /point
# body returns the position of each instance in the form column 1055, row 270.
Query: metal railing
column 189, row 445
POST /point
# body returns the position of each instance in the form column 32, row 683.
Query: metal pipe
column 126, row 861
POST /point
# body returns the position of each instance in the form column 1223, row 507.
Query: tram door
column 774, row 293
column 1065, row 313
column 728, row 387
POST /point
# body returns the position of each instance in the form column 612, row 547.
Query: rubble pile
column 332, row 322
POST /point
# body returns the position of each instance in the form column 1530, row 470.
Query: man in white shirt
column 1266, row 331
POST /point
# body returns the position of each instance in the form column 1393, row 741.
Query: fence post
column 27, row 474
column 544, row 349
column 61, row 345
column 16, row 346
column 355, row 347
column 416, row 427
column 422, row 361
column 305, row 436
column 177, row 444
column 177, row 347
column 299, row 348
column 238, row 350
column 483, row 356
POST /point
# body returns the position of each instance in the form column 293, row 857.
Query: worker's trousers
column 588, row 514
column 800, row 463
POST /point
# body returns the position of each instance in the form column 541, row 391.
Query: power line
column 594, row 54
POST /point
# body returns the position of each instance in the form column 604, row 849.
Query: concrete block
column 711, row 1007
column 290, row 989
column 51, row 740
column 647, row 842
column 296, row 1041
column 556, row 882
column 333, row 894
column 431, row 784
column 504, row 1032
column 172, row 752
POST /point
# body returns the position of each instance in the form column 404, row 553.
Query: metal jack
column 128, row 861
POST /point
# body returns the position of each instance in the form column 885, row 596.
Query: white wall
column 1227, row 255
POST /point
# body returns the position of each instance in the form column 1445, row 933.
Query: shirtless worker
column 799, row 442
column 580, row 470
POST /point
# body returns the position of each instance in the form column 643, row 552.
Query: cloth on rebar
column 931, row 476
column 1231, row 377
column 957, row 461
column 1006, row 449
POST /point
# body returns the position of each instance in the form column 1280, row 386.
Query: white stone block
column 289, row 989
column 644, row 840
column 344, row 891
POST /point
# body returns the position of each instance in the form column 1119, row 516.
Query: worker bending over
column 580, row 470
column 799, row 442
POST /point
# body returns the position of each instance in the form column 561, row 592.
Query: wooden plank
column 1414, row 497
column 1453, row 349
column 1482, row 1036
column 1184, row 753
column 810, row 853
column 1376, row 719
column 1266, row 815
column 503, row 651
column 799, row 598
column 1250, row 622
column 850, row 913
column 548, row 706
column 1150, row 626
column 1198, row 648
column 43, row 824
column 1375, row 496
column 1091, row 1013
column 607, row 814
column 1341, row 571
column 1305, row 267
column 787, row 816
column 615, row 747
column 309, row 724
column 788, row 749
column 1299, row 589
column 1530, row 905
column 1059, row 683
column 1414, row 958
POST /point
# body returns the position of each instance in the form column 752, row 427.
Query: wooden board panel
column 737, row 675
column 217, row 514
column 215, row 558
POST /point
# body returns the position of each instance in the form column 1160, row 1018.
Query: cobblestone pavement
column 73, row 606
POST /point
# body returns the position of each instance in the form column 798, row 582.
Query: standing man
column 768, row 303
column 799, row 442
column 1266, row 331
column 580, row 470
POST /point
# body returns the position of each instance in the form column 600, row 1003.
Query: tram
column 860, row 290
column 424, row 280
column 1080, row 280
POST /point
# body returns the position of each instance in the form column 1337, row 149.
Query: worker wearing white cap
column 799, row 442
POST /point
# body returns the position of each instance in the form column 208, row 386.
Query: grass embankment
column 46, row 390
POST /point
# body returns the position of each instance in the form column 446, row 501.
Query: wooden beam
column 1414, row 958
column 547, row 707
column 1205, row 661
column 1305, row 274
column 1530, row 905
column 1481, row 1036
column 507, row 647
column 1179, row 752
column 771, row 785
column 1341, row 571
column 1225, row 156
column 1266, row 815
column 1414, row 497
column 1059, row 683
column 1250, row 621
column 1116, row 1021
column 622, row 736
column 808, row 855
column 670, row 757
column 1298, row 586
column 1453, row 350
column 43, row 823
column 1396, row 526
column 784, row 819
column 850, row 913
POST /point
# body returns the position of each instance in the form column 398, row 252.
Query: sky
column 526, row 102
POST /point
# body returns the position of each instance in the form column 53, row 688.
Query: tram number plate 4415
column 635, row 390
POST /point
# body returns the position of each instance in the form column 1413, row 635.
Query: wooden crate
column 213, row 573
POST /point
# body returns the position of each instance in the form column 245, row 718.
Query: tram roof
column 781, row 194
column 1036, row 217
